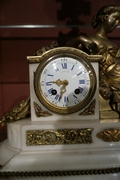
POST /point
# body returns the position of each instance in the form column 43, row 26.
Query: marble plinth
column 60, row 160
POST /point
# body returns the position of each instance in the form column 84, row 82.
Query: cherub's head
column 103, row 14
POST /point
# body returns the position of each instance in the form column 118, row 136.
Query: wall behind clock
column 28, row 25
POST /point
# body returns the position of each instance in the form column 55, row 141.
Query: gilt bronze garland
column 64, row 136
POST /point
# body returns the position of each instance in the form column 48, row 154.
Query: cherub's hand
column 87, row 44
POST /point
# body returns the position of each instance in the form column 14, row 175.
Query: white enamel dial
column 64, row 84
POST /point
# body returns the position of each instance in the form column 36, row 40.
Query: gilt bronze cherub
column 105, row 21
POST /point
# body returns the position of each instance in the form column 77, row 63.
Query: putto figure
column 105, row 21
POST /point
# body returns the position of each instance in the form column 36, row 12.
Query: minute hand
column 63, row 88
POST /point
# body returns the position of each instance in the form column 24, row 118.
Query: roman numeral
column 81, row 89
column 82, row 81
column 79, row 73
column 56, row 69
column 48, row 83
column 72, row 67
column 50, row 90
column 64, row 65
column 74, row 96
column 66, row 99
column 57, row 96
column 49, row 74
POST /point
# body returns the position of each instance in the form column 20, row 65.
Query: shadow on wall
column 70, row 12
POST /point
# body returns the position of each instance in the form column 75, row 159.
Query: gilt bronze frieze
column 64, row 136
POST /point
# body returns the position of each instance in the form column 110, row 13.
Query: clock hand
column 58, row 82
column 64, row 83
column 63, row 88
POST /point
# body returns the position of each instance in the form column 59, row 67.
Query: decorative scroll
column 52, row 137
column 39, row 112
column 90, row 110
column 18, row 112
column 46, row 48
column 109, row 135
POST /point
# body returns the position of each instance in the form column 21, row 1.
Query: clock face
column 65, row 83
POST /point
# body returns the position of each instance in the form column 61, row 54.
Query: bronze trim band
column 8, row 174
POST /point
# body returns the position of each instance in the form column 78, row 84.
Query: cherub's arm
column 82, row 42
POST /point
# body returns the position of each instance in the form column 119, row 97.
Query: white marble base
column 15, row 155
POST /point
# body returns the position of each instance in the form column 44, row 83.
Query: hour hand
column 58, row 82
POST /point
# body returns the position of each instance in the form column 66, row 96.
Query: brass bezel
column 49, row 56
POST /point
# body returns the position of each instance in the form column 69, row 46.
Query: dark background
column 65, row 19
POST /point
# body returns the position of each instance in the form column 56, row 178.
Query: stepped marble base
column 98, row 159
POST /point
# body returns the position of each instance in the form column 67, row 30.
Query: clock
column 63, row 80
column 65, row 83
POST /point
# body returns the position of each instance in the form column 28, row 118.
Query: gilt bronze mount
column 55, row 137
